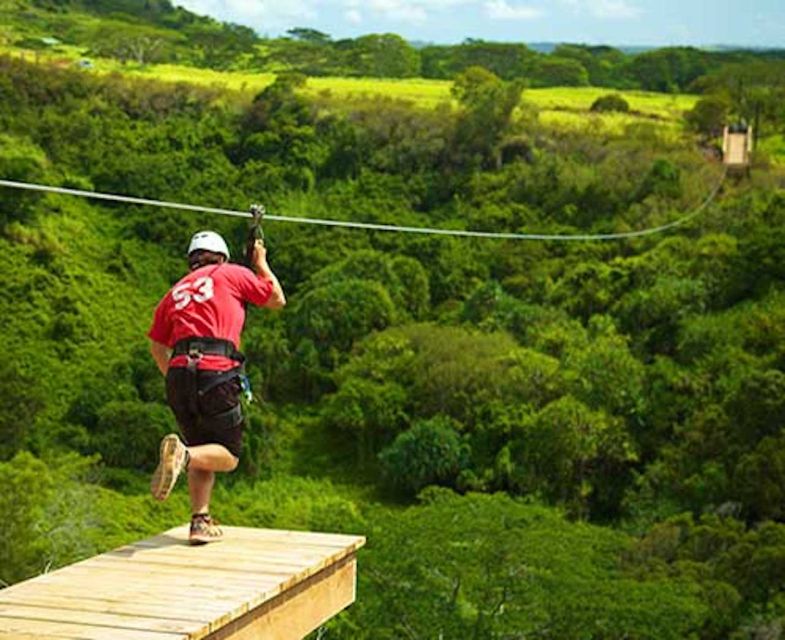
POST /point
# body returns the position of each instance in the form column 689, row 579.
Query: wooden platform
column 736, row 147
column 256, row 583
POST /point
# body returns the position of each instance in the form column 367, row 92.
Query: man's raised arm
column 277, row 298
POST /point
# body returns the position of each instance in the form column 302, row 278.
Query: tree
column 755, row 90
column 490, row 566
column 21, row 161
column 505, row 60
column 759, row 480
column 381, row 56
column 305, row 34
column 431, row 452
column 138, row 44
column 148, row 422
column 404, row 278
column 488, row 105
column 553, row 71
column 373, row 412
column 572, row 456
column 279, row 129
column 605, row 65
column 336, row 315
column 670, row 69
column 220, row 44
column 21, row 399
column 709, row 115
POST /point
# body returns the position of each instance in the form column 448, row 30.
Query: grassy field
column 565, row 107
column 561, row 107
column 423, row 92
column 606, row 123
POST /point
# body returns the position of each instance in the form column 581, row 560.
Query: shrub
column 431, row 452
column 610, row 102
column 128, row 433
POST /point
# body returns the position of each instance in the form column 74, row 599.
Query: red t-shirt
column 208, row 303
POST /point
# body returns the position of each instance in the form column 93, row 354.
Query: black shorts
column 214, row 417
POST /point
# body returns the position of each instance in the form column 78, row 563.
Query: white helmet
column 208, row 241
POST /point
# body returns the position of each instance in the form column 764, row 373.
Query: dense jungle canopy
column 540, row 439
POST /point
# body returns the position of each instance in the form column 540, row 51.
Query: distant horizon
column 724, row 46
column 648, row 24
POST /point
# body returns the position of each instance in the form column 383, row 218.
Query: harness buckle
column 193, row 357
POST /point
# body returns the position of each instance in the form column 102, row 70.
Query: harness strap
column 198, row 384
column 195, row 347
column 233, row 416
column 220, row 378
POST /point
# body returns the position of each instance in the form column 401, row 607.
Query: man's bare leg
column 205, row 460
column 200, row 487
column 211, row 457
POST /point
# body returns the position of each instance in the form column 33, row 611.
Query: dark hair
column 202, row 257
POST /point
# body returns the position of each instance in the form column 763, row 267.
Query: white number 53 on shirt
column 200, row 290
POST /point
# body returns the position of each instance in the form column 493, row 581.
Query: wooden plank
column 246, row 547
column 297, row 612
column 206, row 574
column 15, row 628
column 137, row 595
column 217, row 606
column 239, row 551
column 205, row 618
column 66, row 585
column 198, row 612
column 168, row 578
column 246, row 558
column 233, row 593
column 235, row 565
column 179, row 536
column 68, row 590
column 111, row 620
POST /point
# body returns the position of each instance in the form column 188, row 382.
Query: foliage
column 488, row 107
column 621, row 382
column 611, row 102
column 127, row 434
column 53, row 516
column 491, row 566
column 430, row 452
column 20, row 161
column 709, row 115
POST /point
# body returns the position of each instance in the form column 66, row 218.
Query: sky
column 755, row 23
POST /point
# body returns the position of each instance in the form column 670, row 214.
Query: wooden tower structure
column 737, row 146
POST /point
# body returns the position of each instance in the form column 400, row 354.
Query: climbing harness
column 196, row 348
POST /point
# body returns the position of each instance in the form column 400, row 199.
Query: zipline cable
column 372, row 226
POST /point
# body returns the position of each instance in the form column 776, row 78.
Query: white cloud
column 400, row 10
column 614, row 9
column 270, row 15
column 263, row 15
column 605, row 9
column 503, row 10
column 353, row 16
column 415, row 12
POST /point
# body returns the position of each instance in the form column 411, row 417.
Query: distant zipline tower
column 737, row 147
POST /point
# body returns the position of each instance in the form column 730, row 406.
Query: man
column 195, row 332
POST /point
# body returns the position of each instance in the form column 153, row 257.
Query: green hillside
column 539, row 439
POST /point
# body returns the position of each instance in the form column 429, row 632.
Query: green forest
column 540, row 439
